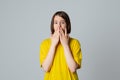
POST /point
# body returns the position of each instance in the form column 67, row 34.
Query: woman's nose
column 59, row 24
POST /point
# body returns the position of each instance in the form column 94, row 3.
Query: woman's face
column 59, row 22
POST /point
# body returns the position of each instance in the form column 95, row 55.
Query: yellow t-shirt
column 59, row 69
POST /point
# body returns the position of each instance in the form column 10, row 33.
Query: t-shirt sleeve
column 77, row 53
column 43, row 52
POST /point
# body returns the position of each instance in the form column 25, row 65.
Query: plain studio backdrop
column 25, row 23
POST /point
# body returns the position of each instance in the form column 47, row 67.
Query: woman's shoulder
column 45, row 41
column 73, row 39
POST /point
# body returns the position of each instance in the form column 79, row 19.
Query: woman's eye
column 55, row 22
column 63, row 22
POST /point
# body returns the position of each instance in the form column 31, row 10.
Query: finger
column 57, row 32
column 61, row 31
column 61, row 36
column 54, row 34
column 65, row 32
column 51, row 35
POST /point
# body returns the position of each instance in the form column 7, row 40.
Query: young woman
column 60, row 55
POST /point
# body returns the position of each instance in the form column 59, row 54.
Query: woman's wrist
column 65, row 46
column 53, row 45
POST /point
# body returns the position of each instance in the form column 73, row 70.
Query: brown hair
column 65, row 16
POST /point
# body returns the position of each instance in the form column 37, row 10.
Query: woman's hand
column 55, row 38
column 64, row 37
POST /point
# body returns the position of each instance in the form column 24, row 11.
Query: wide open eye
column 55, row 22
column 62, row 22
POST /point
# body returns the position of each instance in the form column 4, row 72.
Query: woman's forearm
column 49, row 59
column 69, row 59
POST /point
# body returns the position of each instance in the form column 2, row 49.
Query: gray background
column 25, row 23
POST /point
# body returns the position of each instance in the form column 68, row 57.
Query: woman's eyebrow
column 63, row 20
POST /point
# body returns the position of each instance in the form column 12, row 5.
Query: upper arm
column 43, row 52
column 77, row 53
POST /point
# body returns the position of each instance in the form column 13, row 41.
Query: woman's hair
column 65, row 16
